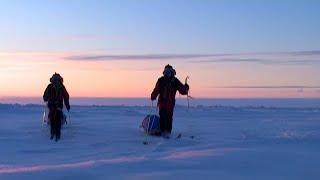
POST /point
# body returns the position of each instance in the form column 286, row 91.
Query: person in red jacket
column 166, row 89
column 54, row 95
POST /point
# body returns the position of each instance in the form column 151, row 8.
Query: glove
column 68, row 107
column 187, row 86
column 153, row 97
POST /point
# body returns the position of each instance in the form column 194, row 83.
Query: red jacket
column 166, row 88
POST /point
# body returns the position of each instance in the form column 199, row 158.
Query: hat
column 169, row 71
column 56, row 78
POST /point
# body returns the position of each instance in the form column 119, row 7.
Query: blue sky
column 160, row 26
column 229, row 48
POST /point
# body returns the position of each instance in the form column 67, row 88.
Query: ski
column 179, row 136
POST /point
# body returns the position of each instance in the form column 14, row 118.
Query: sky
column 238, row 49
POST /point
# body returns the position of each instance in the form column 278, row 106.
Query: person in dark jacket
column 166, row 89
column 54, row 95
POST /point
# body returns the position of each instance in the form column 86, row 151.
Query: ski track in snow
column 7, row 169
column 199, row 153
column 4, row 169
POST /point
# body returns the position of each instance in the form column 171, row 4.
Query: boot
column 166, row 135
column 57, row 138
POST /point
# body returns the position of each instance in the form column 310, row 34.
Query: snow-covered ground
column 106, row 143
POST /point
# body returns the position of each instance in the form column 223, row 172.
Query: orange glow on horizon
column 27, row 74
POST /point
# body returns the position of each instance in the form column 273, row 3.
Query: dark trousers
column 55, row 117
column 165, row 120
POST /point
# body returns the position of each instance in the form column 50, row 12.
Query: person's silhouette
column 166, row 89
column 55, row 94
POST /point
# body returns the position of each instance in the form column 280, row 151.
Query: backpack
column 151, row 125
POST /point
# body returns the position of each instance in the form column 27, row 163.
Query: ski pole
column 44, row 114
column 185, row 82
column 188, row 96
column 151, row 106
column 69, row 117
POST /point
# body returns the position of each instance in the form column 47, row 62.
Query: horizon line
column 268, row 87
column 195, row 98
